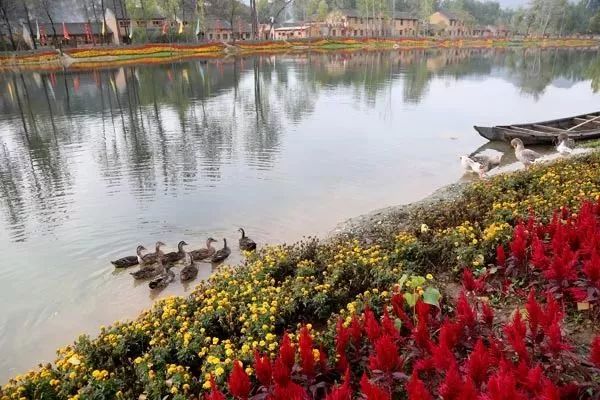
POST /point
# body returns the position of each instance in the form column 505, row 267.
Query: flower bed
column 146, row 50
column 375, row 308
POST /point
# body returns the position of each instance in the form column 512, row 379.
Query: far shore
column 107, row 56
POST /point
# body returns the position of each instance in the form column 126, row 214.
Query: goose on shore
column 565, row 144
column 175, row 256
column 525, row 156
column 189, row 271
column 488, row 162
column 471, row 166
column 221, row 254
column 202, row 254
column 246, row 243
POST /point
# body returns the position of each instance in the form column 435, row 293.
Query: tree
column 595, row 23
column 7, row 9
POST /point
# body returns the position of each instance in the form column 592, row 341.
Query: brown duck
column 175, row 256
column 202, row 254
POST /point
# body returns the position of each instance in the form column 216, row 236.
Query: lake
column 93, row 163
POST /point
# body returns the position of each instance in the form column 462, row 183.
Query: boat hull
column 581, row 127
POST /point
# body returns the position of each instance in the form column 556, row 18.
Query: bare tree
column 6, row 10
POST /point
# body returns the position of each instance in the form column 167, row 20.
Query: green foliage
column 595, row 23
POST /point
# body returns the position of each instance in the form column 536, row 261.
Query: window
column 333, row 33
column 218, row 36
column 210, row 36
column 401, row 22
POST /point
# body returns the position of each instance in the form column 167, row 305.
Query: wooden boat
column 581, row 127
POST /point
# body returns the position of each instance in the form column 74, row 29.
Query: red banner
column 66, row 32
column 88, row 32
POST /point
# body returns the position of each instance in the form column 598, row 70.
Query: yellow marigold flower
column 219, row 371
column 429, row 276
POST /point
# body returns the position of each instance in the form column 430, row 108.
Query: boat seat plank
column 531, row 131
column 550, row 128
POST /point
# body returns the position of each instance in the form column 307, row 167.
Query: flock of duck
column 481, row 164
column 157, row 266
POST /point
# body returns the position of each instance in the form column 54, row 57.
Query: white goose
column 470, row 165
column 565, row 144
column 525, row 156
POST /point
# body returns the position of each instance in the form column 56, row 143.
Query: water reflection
column 94, row 162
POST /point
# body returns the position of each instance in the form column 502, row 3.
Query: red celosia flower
column 262, row 368
column 398, row 306
column 289, row 391
column 342, row 392
column 287, row 353
column 478, row 363
column 538, row 254
column 578, row 294
column 386, row 356
column 450, row 334
column 372, row 327
column 500, row 256
column 487, row 314
column 421, row 335
column 468, row 390
column 591, row 268
column 551, row 392
column 555, row 343
column 451, row 387
column 215, row 393
column 468, row 281
column 371, row 391
column 342, row 338
column 388, row 326
column 239, row 382
column 561, row 267
column 518, row 246
column 535, row 315
column 515, row 333
column 534, row 379
column 502, row 386
column 465, row 313
column 595, row 351
column 355, row 331
column 552, row 312
column 443, row 358
column 416, row 389
column 305, row 343
column 281, row 372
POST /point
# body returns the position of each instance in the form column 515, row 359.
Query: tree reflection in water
column 155, row 127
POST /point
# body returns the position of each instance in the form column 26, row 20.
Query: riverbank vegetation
column 98, row 57
column 495, row 292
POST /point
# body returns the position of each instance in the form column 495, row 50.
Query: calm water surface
column 93, row 163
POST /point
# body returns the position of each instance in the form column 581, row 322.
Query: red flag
column 88, row 32
column 66, row 32
column 165, row 27
column 43, row 36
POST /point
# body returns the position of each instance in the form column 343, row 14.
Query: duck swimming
column 246, row 243
column 190, row 271
column 151, row 258
column 150, row 271
column 202, row 254
column 222, row 254
column 163, row 279
column 129, row 261
column 525, row 156
column 565, row 144
column 175, row 256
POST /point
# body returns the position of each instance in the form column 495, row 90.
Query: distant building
column 491, row 31
column 449, row 24
column 350, row 23
column 79, row 33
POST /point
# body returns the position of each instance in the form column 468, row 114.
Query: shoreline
column 97, row 363
column 108, row 56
